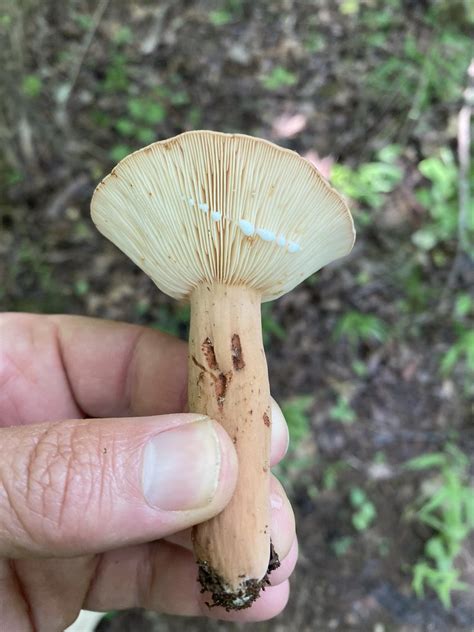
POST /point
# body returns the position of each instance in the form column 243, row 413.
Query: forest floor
column 364, row 340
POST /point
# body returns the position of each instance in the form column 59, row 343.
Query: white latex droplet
column 246, row 227
column 293, row 247
column 265, row 234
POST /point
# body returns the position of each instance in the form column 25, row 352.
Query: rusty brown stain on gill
column 236, row 350
column 210, row 356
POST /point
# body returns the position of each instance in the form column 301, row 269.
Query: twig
column 96, row 18
column 464, row 147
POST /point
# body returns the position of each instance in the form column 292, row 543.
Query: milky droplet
column 246, row 227
column 265, row 234
column 293, row 246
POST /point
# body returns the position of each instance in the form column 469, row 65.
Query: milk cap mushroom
column 226, row 221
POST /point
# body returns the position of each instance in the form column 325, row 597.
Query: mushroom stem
column 228, row 381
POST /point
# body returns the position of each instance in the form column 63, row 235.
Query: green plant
column 464, row 305
column 83, row 20
column 359, row 367
column 143, row 115
column 370, row 182
column 446, row 505
column 424, row 71
column 349, row 7
column 123, row 35
column 31, row 86
column 356, row 328
column 331, row 474
column 229, row 12
column 295, row 411
column 462, row 349
column 340, row 546
column 364, row 510
column 279, row 77
column 117, row 72
column 342, row 411
column 81, row 287
column 440, row 199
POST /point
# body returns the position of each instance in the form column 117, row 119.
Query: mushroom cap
column 208, row 207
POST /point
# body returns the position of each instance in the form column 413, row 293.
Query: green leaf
column 425, row 461
column 341, row 546
column 450, row 360
column 81, row 287
column 435, row 549
column 119, row 151
column 125, row 127
column 342, row 411
column 154, row 113
column 389, row 155
column 357, row 496
column 123, row 35
column 31, row 86
column 364, row 517
column 295, row 411
column 420, row 573
column 464, row 304
column 220, row 17
column 357, row 327
column 279, row 77
column 136, row 108
column 145, row 135
column 349, row 7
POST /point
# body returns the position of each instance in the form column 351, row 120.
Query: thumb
column 79, row 487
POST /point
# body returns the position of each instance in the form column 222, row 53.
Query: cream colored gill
column 206, row 207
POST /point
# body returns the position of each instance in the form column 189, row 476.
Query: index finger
column 109, row 369
column 116, row 369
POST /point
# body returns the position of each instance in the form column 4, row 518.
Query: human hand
column 96, row 513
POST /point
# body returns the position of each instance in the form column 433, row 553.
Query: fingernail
column 181, row 467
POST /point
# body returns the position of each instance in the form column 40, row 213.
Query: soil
column 56, row 147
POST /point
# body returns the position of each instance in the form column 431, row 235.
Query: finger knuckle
column 62, row 476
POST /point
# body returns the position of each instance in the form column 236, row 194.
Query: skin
column 79, row 399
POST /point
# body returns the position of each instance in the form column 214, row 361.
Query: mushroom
column 226, row 221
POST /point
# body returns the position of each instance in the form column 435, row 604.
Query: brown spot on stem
column 266, row 420
column 221, row 386
column 221, row 382
column 208, row 351
column 200, row 366
column 237, row 357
